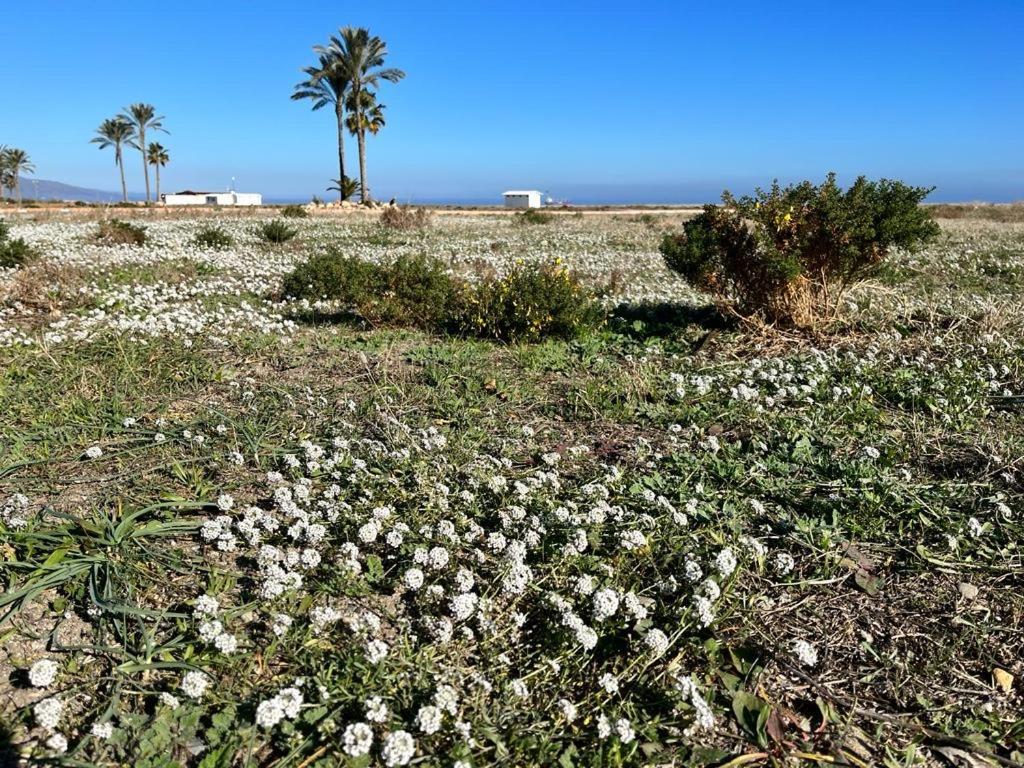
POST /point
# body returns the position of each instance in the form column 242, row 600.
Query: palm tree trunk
column 157, row 168
column 339, row 110
column 17, row 186
column 145, row 163
column 124, row 187
column 364, row 189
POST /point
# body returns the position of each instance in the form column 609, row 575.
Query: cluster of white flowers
column 43, row 673
column 285, row 704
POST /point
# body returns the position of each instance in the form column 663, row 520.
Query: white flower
column 94, row 452
column 606, row 603
column 609, row 682
column 725, row 562
column 413, row 578
column 357, row 739
column 428, row 719
column 568, row 709
column 871, row 452
column 805, row 653
column 225, row 502
column 376, row 651
column 194, row 684
column 57, row 743
column 624, row 730
column 604, row 727
column 43, row 673
column 974, row 527
column 47, row 713
column 102, row 730
column 520, row 689
column 656, row 641
column 206, row 606
column 376, row 709
column 784, row 563
column 399, row 748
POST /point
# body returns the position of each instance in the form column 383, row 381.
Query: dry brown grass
column 1009, row 212
column 44, row 288
column 397, row 217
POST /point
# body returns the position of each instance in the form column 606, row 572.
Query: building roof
column 522, row 192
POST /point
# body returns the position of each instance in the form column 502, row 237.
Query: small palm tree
column 326, row 84
column 368, row 115
column 143, row 117
column 16, row 163
column 360, row 57
column 3, row 170
column 347, row 188
column 118, row 133
column 156, row 155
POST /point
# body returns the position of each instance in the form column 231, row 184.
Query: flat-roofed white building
column 213, row 198
column 519, row 198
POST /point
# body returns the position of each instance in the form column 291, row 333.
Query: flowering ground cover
column 230, row 536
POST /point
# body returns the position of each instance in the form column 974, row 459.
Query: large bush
column 529, row 303
column 789, row 254
column 16, row 252
column 412, row 291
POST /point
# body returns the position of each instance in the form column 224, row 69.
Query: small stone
column 967, row 591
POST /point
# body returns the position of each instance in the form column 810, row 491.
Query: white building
column 213, row 198
column 529, row 198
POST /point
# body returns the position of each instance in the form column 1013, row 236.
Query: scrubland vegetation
column 485, row 494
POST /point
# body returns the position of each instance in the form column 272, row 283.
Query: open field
column 246, row 539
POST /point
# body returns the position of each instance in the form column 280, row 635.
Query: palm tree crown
column 144, row 118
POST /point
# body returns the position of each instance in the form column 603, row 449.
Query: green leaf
column 752, row 714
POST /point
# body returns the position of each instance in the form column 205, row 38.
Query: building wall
column 222, row 198
column 523, row 201
column 184, row 199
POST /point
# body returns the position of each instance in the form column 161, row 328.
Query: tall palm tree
column 360, row 57
column 144, row 118
column 156, row 155
column 17, row 163
column 116, row 132
column 327, row 84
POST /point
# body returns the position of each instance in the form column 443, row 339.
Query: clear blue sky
column 642, row 101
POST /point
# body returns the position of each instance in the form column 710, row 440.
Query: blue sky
column 592, row 101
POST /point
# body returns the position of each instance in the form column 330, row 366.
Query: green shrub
column 213, row 238
column 13, row 253
column 789, row 254
column 530, row 303
column 412, row 291
column 534, row 216
column 294, row 212
column 397, row 217
column 275, row 232
column 117, row 232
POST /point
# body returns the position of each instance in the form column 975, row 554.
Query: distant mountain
column 43, row 189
